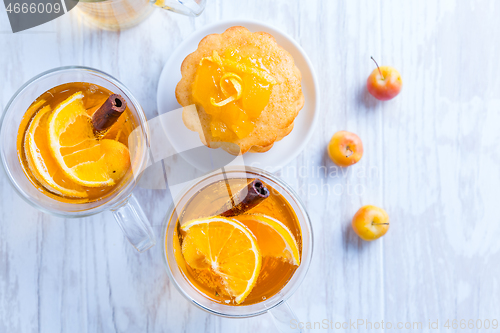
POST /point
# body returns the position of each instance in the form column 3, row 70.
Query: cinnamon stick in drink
column 108, row 114
column 246, row 199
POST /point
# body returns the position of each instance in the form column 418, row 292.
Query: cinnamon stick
column 108, row 113
column 247, row 199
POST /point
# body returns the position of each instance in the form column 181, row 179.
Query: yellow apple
column 370, row 222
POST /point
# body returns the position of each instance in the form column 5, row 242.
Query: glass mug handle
column 134, row 224
column 284, row 319
column 185, row 7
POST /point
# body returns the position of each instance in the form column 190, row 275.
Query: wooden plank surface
column 432, row 160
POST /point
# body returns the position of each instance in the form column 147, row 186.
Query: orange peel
column 237, row 85
column 237, row 66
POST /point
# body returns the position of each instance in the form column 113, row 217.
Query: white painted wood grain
column 431, row 160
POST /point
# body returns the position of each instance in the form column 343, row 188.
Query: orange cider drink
column 233, row 249
column 63, row 154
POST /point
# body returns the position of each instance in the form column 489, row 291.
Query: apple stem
column 373, row 223
column 349, row 152
column 383, row 78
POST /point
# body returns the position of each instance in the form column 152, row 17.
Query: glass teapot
column 123, row 14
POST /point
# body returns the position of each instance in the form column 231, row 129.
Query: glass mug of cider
column 70, row 139
column 238, row 243
column 122, row 14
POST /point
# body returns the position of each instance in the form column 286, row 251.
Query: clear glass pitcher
column 123, row 14
column 121, row 202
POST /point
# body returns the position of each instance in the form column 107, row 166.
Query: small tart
column 272, row 64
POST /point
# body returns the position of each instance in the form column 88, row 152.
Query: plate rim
column 265, row 28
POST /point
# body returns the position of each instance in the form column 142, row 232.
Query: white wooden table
column 432, row 160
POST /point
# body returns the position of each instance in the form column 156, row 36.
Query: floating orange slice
column 273, row 237
column 84, row 159
column 227, row 249
column 40, row 161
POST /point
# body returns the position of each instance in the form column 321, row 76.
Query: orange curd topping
column 233, row 90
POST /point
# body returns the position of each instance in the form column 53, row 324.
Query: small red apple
column 384, row 83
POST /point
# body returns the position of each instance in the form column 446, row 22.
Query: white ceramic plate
column 284, row 151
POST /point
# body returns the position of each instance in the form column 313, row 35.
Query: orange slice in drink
column 84, row 159
column 40, row 161
column 273, row 237
column 227, row 249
